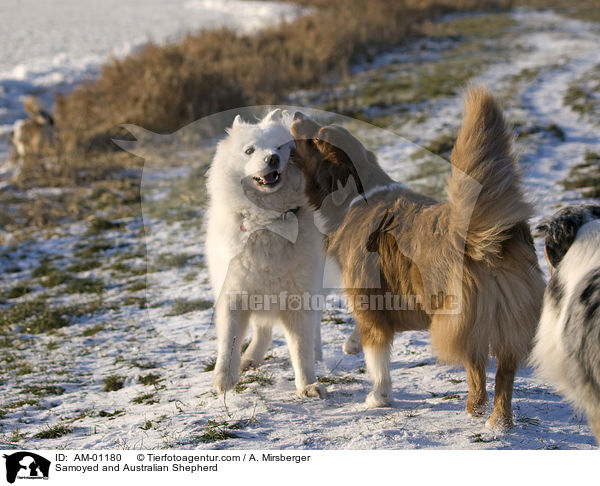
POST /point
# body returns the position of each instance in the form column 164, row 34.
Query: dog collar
column 283, row 216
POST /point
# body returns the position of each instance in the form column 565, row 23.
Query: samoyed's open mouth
column 268, row 180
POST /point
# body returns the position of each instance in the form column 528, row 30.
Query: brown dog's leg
column 505, row 376
column 377, row 339
column 477, row 399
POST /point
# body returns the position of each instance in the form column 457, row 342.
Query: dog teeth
column 263, row 181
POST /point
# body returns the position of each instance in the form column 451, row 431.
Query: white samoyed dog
column 265, row 254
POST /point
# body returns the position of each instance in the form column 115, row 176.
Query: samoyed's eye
column 249, row 151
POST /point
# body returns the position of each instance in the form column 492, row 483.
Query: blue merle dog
column 567, row 344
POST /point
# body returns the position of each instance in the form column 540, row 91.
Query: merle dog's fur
column 567, row 350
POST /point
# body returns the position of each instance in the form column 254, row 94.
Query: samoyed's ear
column 273, row 115
column 237, row 121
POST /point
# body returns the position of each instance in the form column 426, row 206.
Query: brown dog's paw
column 500, row 422
column 477, row 407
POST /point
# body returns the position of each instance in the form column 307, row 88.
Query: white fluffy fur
column 378, row 364
column 257, row 260
column 548, row 355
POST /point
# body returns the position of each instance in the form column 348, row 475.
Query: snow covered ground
column 51, row 46
column 152, row 340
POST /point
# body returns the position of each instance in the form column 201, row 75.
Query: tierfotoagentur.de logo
column 26, row 465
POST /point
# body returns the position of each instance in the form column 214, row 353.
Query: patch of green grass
column 586, row 10
column 83, row 266
column 591, row 157
column 488, row 25
column 552, row 130
column 24, row 368
column 442, row 145
column 18, row 290
column 92, row 331
column 147, row 425
column 97, row 225
column 337, row 380
column 55, row 278
column 110, row 415
column 86, row 285
column 89, row 308
column 146, row 399
column 419, row 365
column 529, row 421
column 53, row 432
column 88, row 412
column 29, row 402
column 123, row 268
column 216, row 431
column 480, row 438
column 585, row 176
column 22, row 311
column 140, row 302
column 113, row 383
column 43, row 390
column 35, row 316
column 190, row 276
column 182, row 306
column 183, row 203
column 525, row 75
column 91, row 250
column 454, row 381
column 579, row 100
column 168, row 260
column 261, row 379
column 6, row 342
column 451, row 397
column 44, row 268
column 137, row 286
column 120, row 267
column 209, row 365
column 149, row 379
column 556, row 131
column 144, row 365
column 48, row 320
column 15, row 435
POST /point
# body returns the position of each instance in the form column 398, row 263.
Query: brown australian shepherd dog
column 469, row 262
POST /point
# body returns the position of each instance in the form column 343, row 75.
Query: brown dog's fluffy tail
column 484, row 189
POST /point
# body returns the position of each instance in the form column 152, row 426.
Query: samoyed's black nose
column 272, row 160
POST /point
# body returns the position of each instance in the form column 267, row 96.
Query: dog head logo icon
column 26, row 465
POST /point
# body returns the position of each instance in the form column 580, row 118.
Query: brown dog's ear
column 303, row 127
column 331, row 144
column 304, row 130
column 343, row 152
column 340, row 146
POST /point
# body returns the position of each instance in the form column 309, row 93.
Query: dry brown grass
column 163, row 88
